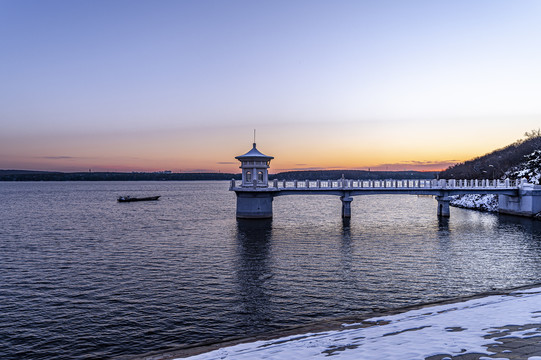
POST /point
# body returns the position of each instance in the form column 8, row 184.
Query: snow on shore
column 487, row 202
column 490, row 325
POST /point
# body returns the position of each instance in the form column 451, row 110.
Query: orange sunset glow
column 346, row 85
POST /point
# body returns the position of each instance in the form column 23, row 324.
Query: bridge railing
column 389, row 183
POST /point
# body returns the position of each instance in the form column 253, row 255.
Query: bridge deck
column 372, row 187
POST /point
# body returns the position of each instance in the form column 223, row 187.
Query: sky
column 131, row 85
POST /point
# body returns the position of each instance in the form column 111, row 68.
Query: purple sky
column 180, row 85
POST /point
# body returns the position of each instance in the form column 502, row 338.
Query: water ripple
column 84, row 277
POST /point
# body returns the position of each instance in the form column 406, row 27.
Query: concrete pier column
column 527, row 203
column 254, row 205
column 346, row 205
column 443, row 205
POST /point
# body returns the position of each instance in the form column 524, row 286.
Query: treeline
column 496, row 163
column 22, row 175
column 17, row 175
column 351, row 174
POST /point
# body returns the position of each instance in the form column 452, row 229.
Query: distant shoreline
column 29, row 175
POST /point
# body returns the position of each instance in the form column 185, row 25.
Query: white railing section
column 382, row 184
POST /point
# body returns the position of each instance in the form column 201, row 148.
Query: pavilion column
column 346, row 205
column 443, row 206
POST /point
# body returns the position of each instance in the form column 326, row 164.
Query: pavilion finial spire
column 254, row 137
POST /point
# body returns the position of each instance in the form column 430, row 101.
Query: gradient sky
column 129, row 85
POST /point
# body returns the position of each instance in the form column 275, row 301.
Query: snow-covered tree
column 529, row 169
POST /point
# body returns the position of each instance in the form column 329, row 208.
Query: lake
column 85, row 277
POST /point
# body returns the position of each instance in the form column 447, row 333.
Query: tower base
column 254, row 205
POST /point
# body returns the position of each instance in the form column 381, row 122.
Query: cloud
column 429, row 162
column 423, row 165
column 57, row 157
column 303, row 169
column 227, row 162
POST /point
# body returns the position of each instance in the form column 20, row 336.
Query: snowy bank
column 529, row 169
column 503, row 326
column 487, row 202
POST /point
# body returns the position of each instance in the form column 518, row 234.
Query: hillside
column 529, row 169
column 496, row 163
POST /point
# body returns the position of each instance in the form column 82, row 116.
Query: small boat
column 130, row 199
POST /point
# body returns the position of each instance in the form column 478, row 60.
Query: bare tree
column 533, row 134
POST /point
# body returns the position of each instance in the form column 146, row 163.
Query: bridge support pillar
column 254, row 205
column 443, row 206
column 527, row 203
column 346, row 205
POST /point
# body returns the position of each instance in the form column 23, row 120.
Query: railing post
column 307, row 183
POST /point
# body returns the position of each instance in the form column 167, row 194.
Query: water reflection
column 348, row 275
column 443, row 225
column 253, row 271
column 528, row 225
column 346, row 228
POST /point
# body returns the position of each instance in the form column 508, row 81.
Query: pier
column 255, row 193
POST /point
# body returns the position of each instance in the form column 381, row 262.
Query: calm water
column 83, row 276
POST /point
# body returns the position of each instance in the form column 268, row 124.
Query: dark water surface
column 85, row 277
